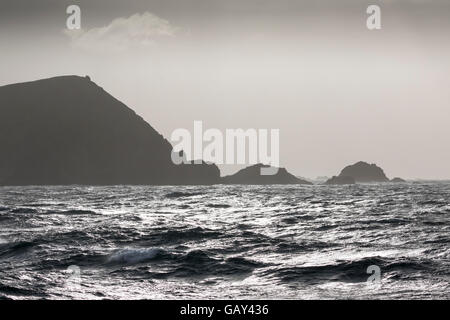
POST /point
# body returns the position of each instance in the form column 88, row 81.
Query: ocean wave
column 244, row 263
column 24, row 210
column 201, row 264
column 70, row 237
column 325, row 227
column 392, row 221
column 349, row 271
column 165, row 236
column 191, row 264
column 196, row 257
column 438, row 203
column 179, row 194
column 72, row 212
column 134, row 256
column 223, row 206
column 15, row 248
column 10, row 290
column 303, row 246
column 39, row 205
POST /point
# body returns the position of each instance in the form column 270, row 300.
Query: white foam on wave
column 130, row 255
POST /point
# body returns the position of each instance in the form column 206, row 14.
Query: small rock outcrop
column 398, row 180
column 252, row 175
column 364, row 172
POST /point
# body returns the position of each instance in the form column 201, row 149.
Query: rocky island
column 252, row 175
column 362, row 172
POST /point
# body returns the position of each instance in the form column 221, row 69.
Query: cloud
column 137, row 31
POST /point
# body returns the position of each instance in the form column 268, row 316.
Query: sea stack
column 252, row 175
column 360, row 172
column 364, row 172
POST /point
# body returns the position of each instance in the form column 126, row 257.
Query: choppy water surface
column 286, row 242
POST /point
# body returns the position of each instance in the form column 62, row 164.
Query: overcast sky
column 338, row 92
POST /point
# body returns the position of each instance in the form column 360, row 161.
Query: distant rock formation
column 340, row 180
column 67, row 130
column 364, row 172
column 252, row 175
column 398, row 180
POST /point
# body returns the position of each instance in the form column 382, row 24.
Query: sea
column 365, row 241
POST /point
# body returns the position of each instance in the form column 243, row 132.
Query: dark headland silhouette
column 362, row 172
column 67, row 130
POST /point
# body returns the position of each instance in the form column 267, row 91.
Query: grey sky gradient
column 338, row 92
